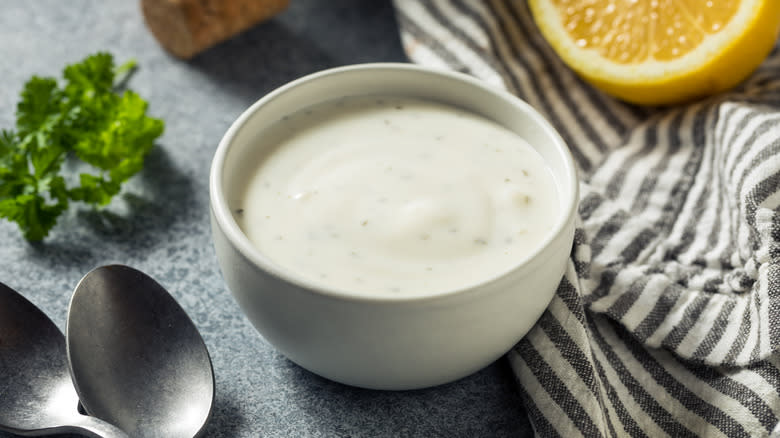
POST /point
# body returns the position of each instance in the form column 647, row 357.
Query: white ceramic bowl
column 389, row 342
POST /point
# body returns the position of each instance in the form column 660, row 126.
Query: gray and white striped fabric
column 666, row 323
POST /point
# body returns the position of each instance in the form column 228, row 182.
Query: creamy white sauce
column 380, row 196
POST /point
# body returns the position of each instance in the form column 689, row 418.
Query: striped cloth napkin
column 666, row 322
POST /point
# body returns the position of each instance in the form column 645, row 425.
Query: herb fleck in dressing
column 396, row 196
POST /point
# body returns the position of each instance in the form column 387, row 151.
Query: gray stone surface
column 160, row 222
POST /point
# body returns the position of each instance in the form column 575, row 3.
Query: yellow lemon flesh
column 660, row 51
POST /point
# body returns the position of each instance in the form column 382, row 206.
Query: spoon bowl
column 36, row 393
column 136, row 358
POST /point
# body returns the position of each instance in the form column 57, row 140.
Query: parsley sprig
column 89, row 118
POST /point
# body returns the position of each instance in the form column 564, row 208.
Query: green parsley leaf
column 40, row 101
column 87, row 118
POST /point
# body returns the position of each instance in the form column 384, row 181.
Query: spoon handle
column 96, row 428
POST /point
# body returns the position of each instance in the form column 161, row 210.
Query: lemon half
column 660, row 51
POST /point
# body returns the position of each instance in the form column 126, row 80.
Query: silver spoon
column 136, row 358
column 36, row 393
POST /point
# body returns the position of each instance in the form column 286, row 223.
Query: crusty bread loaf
column 187, row 27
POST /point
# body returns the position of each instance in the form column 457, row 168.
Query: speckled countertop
column 160, row 224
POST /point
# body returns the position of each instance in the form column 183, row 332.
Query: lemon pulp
column 660, row 51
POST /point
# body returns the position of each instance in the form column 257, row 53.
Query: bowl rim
column 237, row 239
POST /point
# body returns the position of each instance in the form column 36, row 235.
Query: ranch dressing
column 379, row 196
